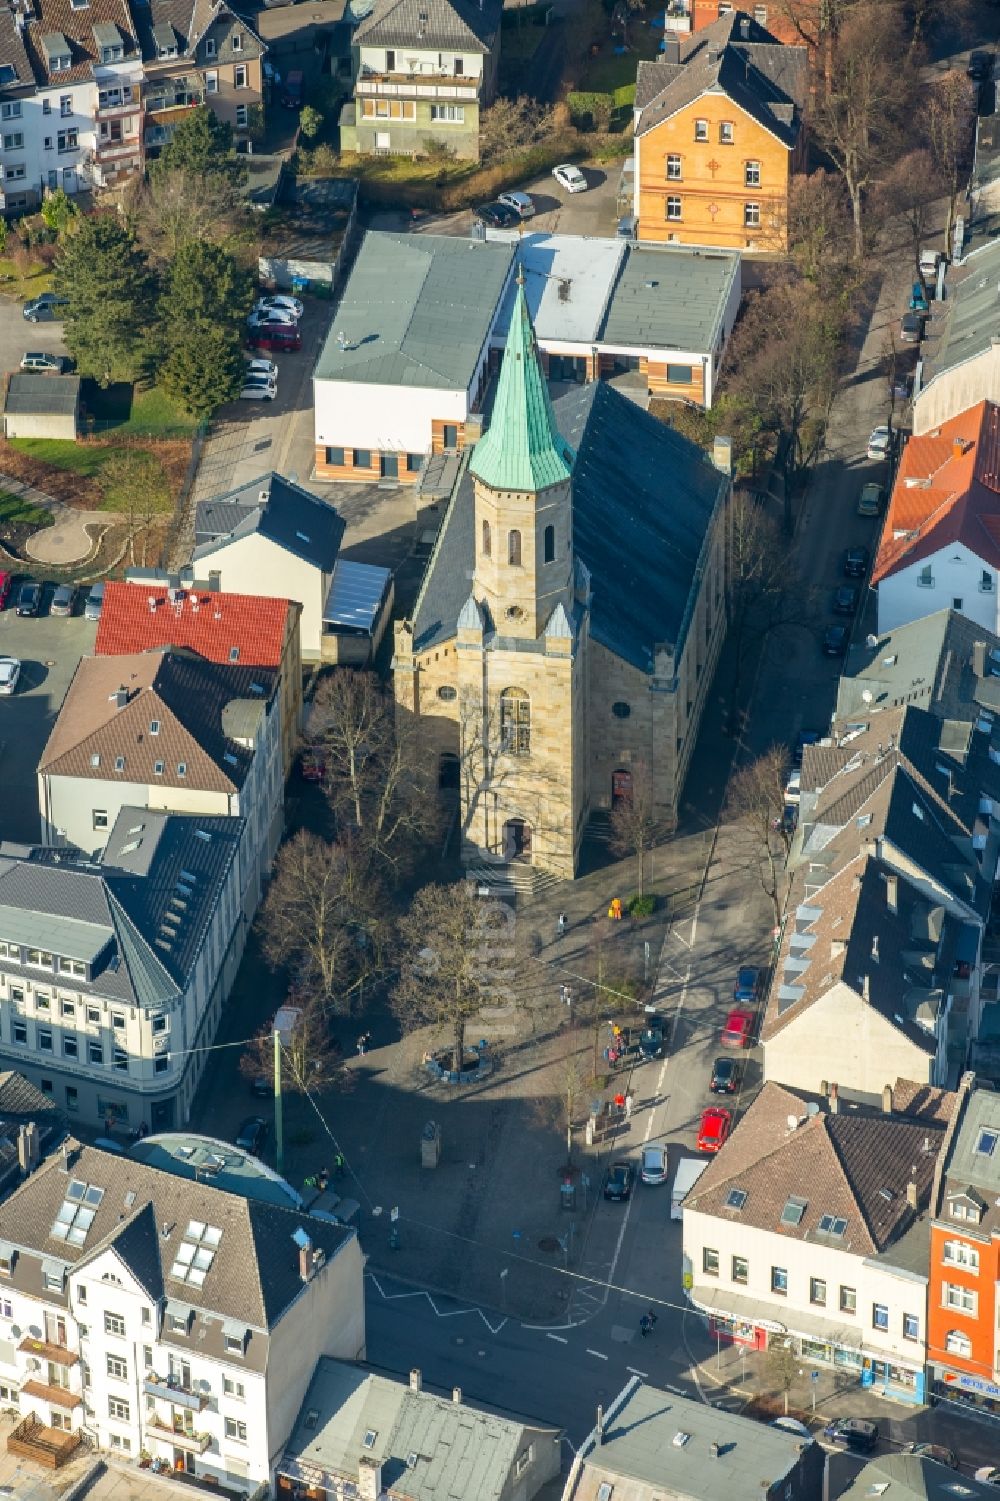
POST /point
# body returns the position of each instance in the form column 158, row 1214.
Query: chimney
column 875, row 947
column 416, row 1383
column 714, row 1449
column 306, row 1261
column 369, row 1478
column 456, row 1395
column 887, row 1099
column 722, row 454
column 979, row 658
column 214, row 581
column 865, row 988
column 745, row 28
column 599, row 1427
column 713, row 54
column 892, row 893
column 834, row 1099
column 671, row 48
column 911, row 1195
column 28, row 1147
column 958, row 448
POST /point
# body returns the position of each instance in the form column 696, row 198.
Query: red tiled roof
column 137, row 617
column 947, row 490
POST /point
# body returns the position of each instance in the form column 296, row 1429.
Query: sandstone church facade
column 567, row 628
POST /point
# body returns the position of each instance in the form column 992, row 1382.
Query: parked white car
column 10, row 671
column 521, row 203
column 272, row 317
column 267, row 368
column 282, row 302
column 259, row 390
column 570, row 178
column 879, row 442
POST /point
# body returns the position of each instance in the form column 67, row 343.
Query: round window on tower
column 620, row 710
column 515, row 613
column 447, row 693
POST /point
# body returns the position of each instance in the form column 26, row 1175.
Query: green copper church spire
column 522, row 448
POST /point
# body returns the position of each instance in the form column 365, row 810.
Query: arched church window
column 487, row 540
column 514, row 548
column 550, row 544
column 515, row 722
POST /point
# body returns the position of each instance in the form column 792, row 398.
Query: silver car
column 653, row 1169
column 10, row 671
column 95, row 601
column 45, row 364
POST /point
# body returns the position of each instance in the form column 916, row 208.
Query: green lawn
column 16, row 511
column 143, row 413
column 80, row 458
column 13, row 284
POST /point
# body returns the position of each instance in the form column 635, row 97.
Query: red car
column 714, row 1128
column 279, row 337
column 6, row 579
column 736, row 1032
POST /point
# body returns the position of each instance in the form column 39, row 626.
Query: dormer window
column 210, row 46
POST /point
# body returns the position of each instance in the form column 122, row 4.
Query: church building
column 567, row 628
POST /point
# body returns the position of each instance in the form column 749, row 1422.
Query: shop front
column 972, row 1392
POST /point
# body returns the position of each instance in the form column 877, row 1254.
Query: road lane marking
column 643, row 1374
column 558, row 1337
column 599, row 1354
column 649, row 1127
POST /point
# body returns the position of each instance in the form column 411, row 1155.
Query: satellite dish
column 793, row 1121
column 34, row 1331
column 867, row 695
column 15, row 1331
column 812, row 1109
column 871, row 642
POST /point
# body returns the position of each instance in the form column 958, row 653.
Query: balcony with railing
column 117, row 105
column 110, row 151
column 416, row 85
column 173, row 1389
column 193, row 1443
column 55, row 1396
column 178, row 93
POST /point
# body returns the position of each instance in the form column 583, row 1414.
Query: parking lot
column 48, row 649
column 17, row 335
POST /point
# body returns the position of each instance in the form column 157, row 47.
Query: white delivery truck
column 689, row 1170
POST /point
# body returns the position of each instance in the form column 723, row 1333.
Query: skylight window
column 832, row 1224
column 196, row 1253
column 368, row 1441
column 793, row 1211
column 987, row 1143
column 736, row 1198
column 77, row 1212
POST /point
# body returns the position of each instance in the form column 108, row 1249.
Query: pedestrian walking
column 565, row 995
column 615, row 909
column 620, row 1103
column 364, row 1042
column 561, row 925
column 628, row 1107
column 108, row 1124
column 645, row 1325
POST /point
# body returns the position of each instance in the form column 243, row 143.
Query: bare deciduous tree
column 820, row 232
column 454, row 947
column 636, row 823
column 949, row 119
column 173, row 208
column 135, row 486
column 907, row 194
column 320, row 917
column 511, row 125
column 764, row 590
column 310, row 1058
column 756, row 800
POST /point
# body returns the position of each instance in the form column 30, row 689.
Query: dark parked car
column 856, row 562
column 937, row 1452
column 262, row 1088
column 835, row 639
column 856, row 1433
column 747, row 986
column 29, row 599
column 845, row 600
column 979, row 65
column 252, row 1135
column 911, row 328
column 497, row 215
column 42, row 307
column 652, row 1040
column 726, row 1076
column 618, row 1181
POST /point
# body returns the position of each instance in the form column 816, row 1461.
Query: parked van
column 291, row 91
column 689, row 1170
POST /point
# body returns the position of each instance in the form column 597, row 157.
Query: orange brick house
column 719, row 133
column 963, row 1345
column 774, row 14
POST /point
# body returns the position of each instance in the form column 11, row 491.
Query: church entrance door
column 516, row 839
column 621, row 787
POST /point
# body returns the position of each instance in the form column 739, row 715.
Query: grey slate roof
column 276, row 508
column 43, row 395
column 910, row 1477
column 638, row 1447
column 970, row 319
column 671, row 300
column 20, row 1103
column 15, row 68
column 452, row 25
column 766, row 80
column 255, row 1274
column 417, row 310
column 189, row 21
column 114, row 910
column 459, row 1451
column 930, row 662
column 643, row 503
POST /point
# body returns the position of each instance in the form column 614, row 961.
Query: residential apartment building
column 70, row 105
column 195, row 54
column 424, row 70
column 651, row 1445
column 154, row 1314
column 719, row 134
column 166, row 729
column 944, row 663
column 114, row 970
column 959, row 362
column 880, row 963
column 963, row 1345
column 155, row 609
column 790, row 1236
column 420, row 1445
column 274, row 539
column 793, row 23
column 940, row 543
